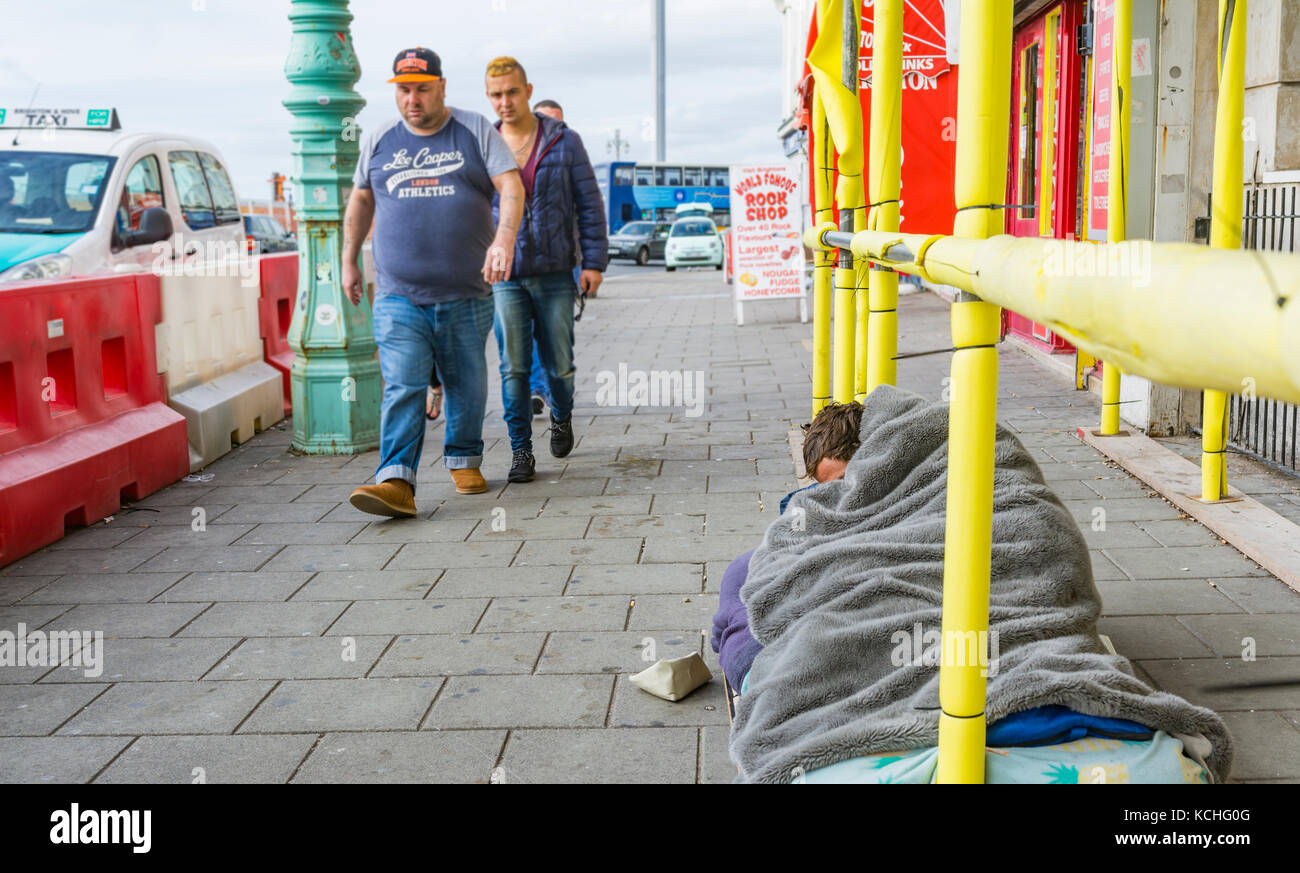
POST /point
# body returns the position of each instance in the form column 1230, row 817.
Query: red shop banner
column 929, row 135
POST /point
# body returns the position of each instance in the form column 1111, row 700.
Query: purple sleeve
column 731, row 639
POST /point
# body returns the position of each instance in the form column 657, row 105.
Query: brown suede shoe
column 468, row 481
column 394, row 498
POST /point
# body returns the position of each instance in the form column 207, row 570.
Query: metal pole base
column 335, row 404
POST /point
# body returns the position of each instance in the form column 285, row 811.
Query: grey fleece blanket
column 828, row 603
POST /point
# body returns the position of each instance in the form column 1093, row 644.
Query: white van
column 699, row 207
column 79, row 196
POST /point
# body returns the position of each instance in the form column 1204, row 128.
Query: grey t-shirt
column 433, row 205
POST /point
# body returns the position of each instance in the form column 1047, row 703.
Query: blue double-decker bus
column 653, row 191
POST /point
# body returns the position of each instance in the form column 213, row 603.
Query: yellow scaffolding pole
column 852, row 23
column 862, row 313
column 885, row 186
column 983, row 115
column 855, row 193
column 850, row 338
column 861, row 307
column 845, row 318
column 823, row 261
column 1225, row 222
column 1121, row 54
column 1047, row 166
column 833, row 61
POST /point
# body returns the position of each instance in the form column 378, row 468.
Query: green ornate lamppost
column 335, row 381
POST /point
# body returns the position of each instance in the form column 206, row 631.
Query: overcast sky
column 215, row 68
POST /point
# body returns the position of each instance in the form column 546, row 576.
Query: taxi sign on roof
column 59, row 119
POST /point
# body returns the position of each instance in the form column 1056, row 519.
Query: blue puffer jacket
column 565, row 195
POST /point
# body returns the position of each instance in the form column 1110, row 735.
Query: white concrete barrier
column 210, row 351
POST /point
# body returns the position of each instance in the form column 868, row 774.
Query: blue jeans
column 411, row 339
column 537, row 377
column 541, row 308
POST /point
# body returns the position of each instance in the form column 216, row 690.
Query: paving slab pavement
column 288, row 637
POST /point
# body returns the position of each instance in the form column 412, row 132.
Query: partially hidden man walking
column 536, row 300
column 427, row 179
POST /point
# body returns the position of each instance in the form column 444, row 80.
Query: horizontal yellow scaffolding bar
column 1156, row 309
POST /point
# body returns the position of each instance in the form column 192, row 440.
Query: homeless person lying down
column 831, row 627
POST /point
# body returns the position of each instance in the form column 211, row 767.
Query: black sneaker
column 522, row 467
column 561, row 437
column 539, row 405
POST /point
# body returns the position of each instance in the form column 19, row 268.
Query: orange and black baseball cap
column 416, row 65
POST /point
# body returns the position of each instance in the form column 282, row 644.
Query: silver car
column 640, row 241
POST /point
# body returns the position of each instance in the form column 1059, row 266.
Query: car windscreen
column 636, row 228
column 693, row 228
column 51, row 192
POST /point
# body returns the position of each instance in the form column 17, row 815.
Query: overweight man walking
column 427, row 179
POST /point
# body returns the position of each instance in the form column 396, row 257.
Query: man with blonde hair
column 563, row 202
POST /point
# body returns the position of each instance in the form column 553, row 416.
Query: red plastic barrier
column 83, row 416
column 279, row 276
